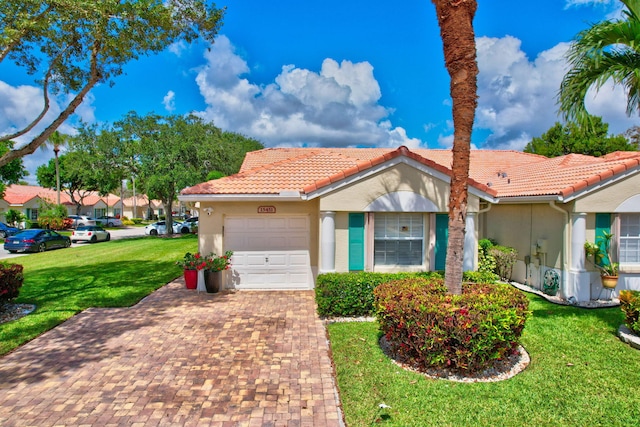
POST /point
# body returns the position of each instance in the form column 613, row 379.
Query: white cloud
column 517, row 97
column 178, row 48
column 337, row 106
column 169, row 101
column 570, row 3
column 19, row 105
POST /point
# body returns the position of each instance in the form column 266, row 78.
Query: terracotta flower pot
column 609, row 282
column 191, row 278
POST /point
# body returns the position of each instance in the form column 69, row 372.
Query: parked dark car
column 6, row 231
column 36, row 240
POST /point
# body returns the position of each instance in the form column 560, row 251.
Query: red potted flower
column 191, row 263
column 213, row 270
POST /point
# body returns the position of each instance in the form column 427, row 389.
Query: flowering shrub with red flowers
column 218, row 263
column 11, row 278
column 192, row 261
column 428, row 328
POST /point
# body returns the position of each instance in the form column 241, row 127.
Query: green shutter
column 356, row 241
column 603, row 224
column 442, row 237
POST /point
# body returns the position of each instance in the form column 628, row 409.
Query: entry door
column 442, row 237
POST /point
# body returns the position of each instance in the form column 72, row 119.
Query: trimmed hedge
column 11, row 278
column 428, row 328
column 630, row 305
column 351, row 294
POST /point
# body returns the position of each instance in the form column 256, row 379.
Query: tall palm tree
column 455, row 18
column 57, row 140
column 606, row 50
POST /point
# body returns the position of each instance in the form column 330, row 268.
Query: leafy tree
column 633, row 135
column 72, row 45
column 163, row 154
column 606, row 50
column 14, row 217
column 12, row 172
column 78, row 178
column 215, row 175
column 52, row 215
column 455, row 18
column 573, row 138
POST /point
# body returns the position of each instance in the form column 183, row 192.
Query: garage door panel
column 298, row 260
column 269, row 252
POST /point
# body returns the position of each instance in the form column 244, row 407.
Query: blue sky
column 349, row 73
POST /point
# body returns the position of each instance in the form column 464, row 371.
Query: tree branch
column 45, row 109
column 64, row 115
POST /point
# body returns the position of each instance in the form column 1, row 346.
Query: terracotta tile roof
column 20, row 194
column 500, row 173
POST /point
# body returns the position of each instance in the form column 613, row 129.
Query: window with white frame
column 32, row 214
column 629, row 240
column 398, row 239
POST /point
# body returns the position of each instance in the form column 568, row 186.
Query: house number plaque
column 266, row 209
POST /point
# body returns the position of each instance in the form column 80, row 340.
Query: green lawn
column 580, row 374
column 64, row 282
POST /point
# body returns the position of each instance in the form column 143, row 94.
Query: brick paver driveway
column 177, row 358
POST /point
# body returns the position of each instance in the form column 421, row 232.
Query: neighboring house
column 142, row 207
column 4, row 207
column 28, row 199
column 292, row 213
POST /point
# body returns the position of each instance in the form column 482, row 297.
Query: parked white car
column 90, row 233
column 79, row 220
column 109, row 221
column 160, row 227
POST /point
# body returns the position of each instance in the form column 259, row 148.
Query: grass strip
column 64, row 282
column 580, row 374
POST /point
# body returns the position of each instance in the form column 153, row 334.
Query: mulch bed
column 9, row 312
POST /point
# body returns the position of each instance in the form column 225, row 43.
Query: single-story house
column 292, row 213
column 142, row 207
column 28, row 199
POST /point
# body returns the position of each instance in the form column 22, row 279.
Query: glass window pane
column 398, row 239
column 630, row 238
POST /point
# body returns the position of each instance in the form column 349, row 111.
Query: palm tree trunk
column 56, row 150
column 455, row 18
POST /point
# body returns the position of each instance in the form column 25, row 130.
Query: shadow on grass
column 611, row 317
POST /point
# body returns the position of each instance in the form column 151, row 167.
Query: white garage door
column 269, row 252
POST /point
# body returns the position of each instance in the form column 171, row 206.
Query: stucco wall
column 357, row 196
column 521, row 226
column 210, row 227
column 608, row 198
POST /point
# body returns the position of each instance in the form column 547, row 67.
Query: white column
column 327, row 242
column 579, row 279
column 470, row 243
column 578, row 237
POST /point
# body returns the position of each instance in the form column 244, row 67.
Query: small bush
column 11, row 279
column 137, row 220
column 428, row 328
column 127, row 222
column 506, row 258
column 351, row 294
column 480, row 277
column 630, row 305
column 14, row 217
column 486, row 261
